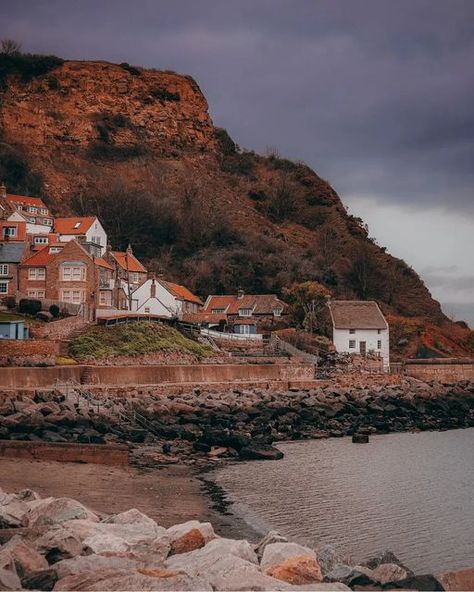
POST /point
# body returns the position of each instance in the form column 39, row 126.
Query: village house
column 87, row 230
column 12, row 231
column 31, row 210
column 129, row 273
column 246, row 314
column 11, row 254
column 359, row 327
column 67, row 273
column 166, row 299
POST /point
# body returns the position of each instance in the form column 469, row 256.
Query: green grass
column 8, row 316
column 133, row 339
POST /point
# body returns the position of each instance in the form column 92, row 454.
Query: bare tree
column 10, row 47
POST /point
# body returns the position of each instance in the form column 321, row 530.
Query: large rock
column 263, row 452
column 83, row 563
column 135, row 579
column 103, row 542
column 457, row 580
column 291, row 563
column 12, row 513
column 134, row 517
column 58, row 543
column 9, row 580
column 40, row 580
column 25, row 558
column 190, row 536
column 389, row 572
column 272, row 536
column 57, row 511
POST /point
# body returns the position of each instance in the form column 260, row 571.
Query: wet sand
column 169, row 495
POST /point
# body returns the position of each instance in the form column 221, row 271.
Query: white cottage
column 159, row 297
column 85, row 229
column 359, row 327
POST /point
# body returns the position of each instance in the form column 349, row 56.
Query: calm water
column 410, row 493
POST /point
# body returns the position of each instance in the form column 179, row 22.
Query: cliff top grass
column 134, row 339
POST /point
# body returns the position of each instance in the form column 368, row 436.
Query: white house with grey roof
column 359, row 327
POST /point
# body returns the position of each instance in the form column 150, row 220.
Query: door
column 363, row 348
column 245, row 329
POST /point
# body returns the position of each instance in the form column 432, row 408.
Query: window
column 35, row 293
column 19, row 207
column 379, row 331
column 4, row 269
column 31, row 220
column 352, row 343
column 40, row 240
column 77, row 225
column 147, row 309
column 48, row 222
column 54, row 250
column 9, row 231
column 44, row 211
column 245, row 312
column 277, row 312
column 33, row 210
column 352, row 331
column 74, row 296
column 379, row 344
column 73, row 273
column 105, row 298
column 36, row 273
column 96, row 240
column 134, row 277
column 3, row 287
column 217, row 310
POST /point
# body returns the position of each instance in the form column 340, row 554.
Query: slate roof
column 356, row 314
column 11, row 252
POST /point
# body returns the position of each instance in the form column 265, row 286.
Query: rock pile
column 240, row 424
column 59, row 544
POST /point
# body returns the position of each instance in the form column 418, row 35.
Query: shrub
column 101, row 150
column 226, row 144
column 9, row 302
column 15, row 172
column 240, row 163
column 131, row 69
column 162, row 94
column 257, row 195
column 54, row 310
column 29, row 306
column 26, row 65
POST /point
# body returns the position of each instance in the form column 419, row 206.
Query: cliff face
column 138, row 148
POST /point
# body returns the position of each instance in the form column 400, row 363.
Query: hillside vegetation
column 137, row 147
column 133, row 339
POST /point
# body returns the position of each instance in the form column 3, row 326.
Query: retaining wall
column 440, row 369
column 101, row 454
column 16, row 377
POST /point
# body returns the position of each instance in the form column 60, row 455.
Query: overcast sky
column 376, row 95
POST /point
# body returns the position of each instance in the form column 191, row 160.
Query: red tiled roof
column 181, row 292
column 39, row 259
column 20, row 233
column 203, row 317
column 258, row 303
column 24, row 200
column 356, row 314
column 128, row 262
column 75, row 225
column 103, row 263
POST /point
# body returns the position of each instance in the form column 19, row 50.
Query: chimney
column 129, row 250
column 3, row 190
column 240, row 294
column 153, row 288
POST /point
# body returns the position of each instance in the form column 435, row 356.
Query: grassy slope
column 134, row 339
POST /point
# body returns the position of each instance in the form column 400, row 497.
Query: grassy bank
column 134, row 339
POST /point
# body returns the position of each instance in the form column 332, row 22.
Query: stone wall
column 136, row 375
column 442, row 370
column 60, row 329
column 102, row 454
column 28, row 352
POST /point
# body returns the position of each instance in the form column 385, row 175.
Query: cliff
column 138, row 148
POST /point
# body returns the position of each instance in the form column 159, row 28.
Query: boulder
column 190, row 536
column 9, row 580
column 12, row 512
column 136, row 579
column 272, row 536
column 262, row 452
column 56, row 511
column 25, row 558
column 328, row 557
column 40, row 580
column 389, row 572
column 134, row 517
column 58, row 543
column 351, row 576
column 291, row 563
column 103, row 542
column 457, row 580
column 82, row 563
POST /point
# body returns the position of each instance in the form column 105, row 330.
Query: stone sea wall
column 59, row 544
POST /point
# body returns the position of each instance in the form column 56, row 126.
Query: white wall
column 96, row 229
column 341, row 339
column 30, row 228
column 164, row 303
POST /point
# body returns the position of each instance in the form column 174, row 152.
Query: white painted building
column 86, row 229
column 158, row 297
column 359, row 327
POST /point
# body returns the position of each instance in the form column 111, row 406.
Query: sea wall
column 16, row 377
column 104, row 454
column 28, row 352
column 440, row 369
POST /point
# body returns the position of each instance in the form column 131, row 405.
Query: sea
column 411, row 493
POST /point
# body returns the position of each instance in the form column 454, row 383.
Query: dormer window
column 77, row 225
column 48, row 222
column 9, row 231
column 33, row 210
column 277, row 312
column 245, row 312
column 218, row 310
column 40, row 240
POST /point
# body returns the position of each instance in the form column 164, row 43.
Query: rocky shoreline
column 203, row 427
column 60, row 544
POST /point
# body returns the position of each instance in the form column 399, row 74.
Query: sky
column 376, row 95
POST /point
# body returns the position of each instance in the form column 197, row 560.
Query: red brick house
column 67, row 273
column 130, row 274
column 247, row 313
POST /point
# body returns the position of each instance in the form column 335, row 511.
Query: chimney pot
column 240, row 294
column 3, row 190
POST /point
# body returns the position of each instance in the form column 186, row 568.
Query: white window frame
column 32, row 209
column 47, row 222
column 40, row 240
column 277, row 312
column 68, row 295
column 36, row 293
column 352, row 343
column 4, row 268
column 218, row 310
column 245, row 312
column 73, row 273
column 44, row 211
column 37, row 273
column 9, row 231
column 4, row 286
column 379, row 344
column 352, row 331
